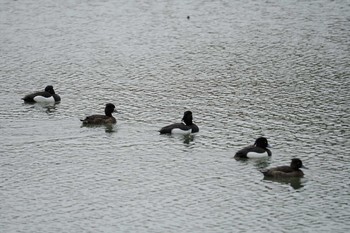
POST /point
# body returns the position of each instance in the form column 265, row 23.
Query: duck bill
column 304, row 167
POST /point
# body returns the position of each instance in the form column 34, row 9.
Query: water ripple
column 245, row 69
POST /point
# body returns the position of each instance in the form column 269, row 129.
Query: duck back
column 179, row 128
column 99, row 119
column 283, row 172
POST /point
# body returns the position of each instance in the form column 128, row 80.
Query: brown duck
column 286, row 171
column 102, row 119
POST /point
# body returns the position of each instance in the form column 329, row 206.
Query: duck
column 286, row 171
column 259, row 148
column 46, row 96
column 101, row 119
column 186, row 126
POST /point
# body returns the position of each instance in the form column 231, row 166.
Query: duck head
column 296, row 164
column 49, row 89
column 261, row 142
column 187, row 118
column 109, row 109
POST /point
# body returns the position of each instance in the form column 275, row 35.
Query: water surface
column 245, row 69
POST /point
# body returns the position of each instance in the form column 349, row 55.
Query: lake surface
column 279, row 69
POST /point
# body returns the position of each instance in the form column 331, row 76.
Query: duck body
column 179, row 128
column 185, row 127
column 46, row 96
column 259, row 149
column 286, row 171
column 101, row 119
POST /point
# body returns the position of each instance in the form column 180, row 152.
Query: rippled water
column 244, row 68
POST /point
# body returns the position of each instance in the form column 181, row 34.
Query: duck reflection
column 294, row 182
column 259, row 163
column 109, row 128
column 45, row 107
column 185, row 138
column 188, row 138
column 50, row 109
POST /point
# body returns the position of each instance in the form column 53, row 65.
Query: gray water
column 245, row 69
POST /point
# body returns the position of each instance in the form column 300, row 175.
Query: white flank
column 180, row 131
column 42, row 99
column 256, row 155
